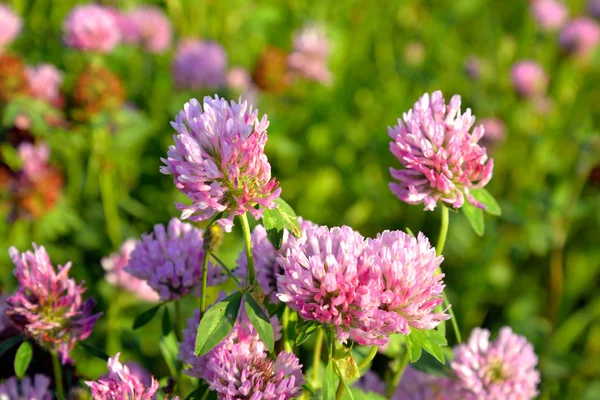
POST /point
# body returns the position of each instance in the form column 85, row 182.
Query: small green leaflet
column 475, row 217
column 168, row 348
column 278, row 219
column 260, row 321
column 484, row 197
column 144, row 318
column 429, row 340
column 166, row 322
column 304, row 330
column 93, row 351
column 23, row 359
column 329, row 382
column 217, row 323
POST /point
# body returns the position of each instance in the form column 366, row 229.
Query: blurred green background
column 537, row 268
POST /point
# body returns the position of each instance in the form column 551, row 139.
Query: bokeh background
column 537, row 267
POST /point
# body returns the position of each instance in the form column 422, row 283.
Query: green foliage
column 23, row 358
column 278, row 219
column 429, row 340
column 144, row 318
column 217, row 322
column 260, row 321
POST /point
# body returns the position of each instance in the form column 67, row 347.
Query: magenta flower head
column 115, row 264
column 239, row 367
column 529, row 79
column 502, row 369
column 91, row 28
column 265, row 259
column 48, row 306
column 219, row 162
column 321, row 278
column 199, row 64
column 309, row 55
column 580, row 37
column 119, row 383
column 416, row 385
column 37, row 388
column 441, row 158
column 550, row 15
column 44, row 81
column 401, row 271
column 153, row 27
column 170, row 260
column 10, row 26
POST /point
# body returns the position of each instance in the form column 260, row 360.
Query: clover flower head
column 529, row 79
column 309, row 55
column 503, row 369
column 44, row 81
column 218, row 161
column 170, row 260
column 442, row 159
column 417, row 385
column 114, row 266
column 91, row 28
column 37, row 388
column 580, row 37
column 153, row 28
column 199, row 64
column 550, row 15
column 10, row 26
column 48, row 306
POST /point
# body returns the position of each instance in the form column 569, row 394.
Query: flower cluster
column 170, row 261
column 416, row 385
column 119, row 383
column 37, row 388
column 309, row 56
column 529, row 79
column 48, row 306
column 442, row 160
column 151, row 28
column 199, row 64
column 366, row 289
column 265, row 259
column 581, row 36
column 550, row 15
column 218, row 161
column 240, row 368
column 503, row 369
column 115, row 264
column 44, row 81
column 10, row 26
column 91, row 28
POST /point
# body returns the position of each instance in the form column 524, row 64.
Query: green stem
column 251, row 275
column 58, row 380
column 113, row 337
column 365, row 361
column 317, row 355
column 285, row 322
column 202, row 303
column 452, row 319
column 178, row 321
column 340, row 390
column 439, row 248
column 397, row 376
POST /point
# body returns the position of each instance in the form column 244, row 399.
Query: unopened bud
column 213, row 237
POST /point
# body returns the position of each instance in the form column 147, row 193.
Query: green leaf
column 428, row 364
column 278, row 219
column 361, row 395
column 166, row 322
column 429, row 340
column 93, row 351
column 348, row 368
column 144, row 318
column 485, row 197
column 329, row 382
column 475, row 217
column 217, row 323
column 23, row 359
column 260, row 321
column 304, row 330
column 8, row 343
column 168, row 348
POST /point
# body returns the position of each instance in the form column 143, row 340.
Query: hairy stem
column 397, row 375
column 285, row 322
column 317, row 355
column 251, row 275
column 439, row 248
column 58, row 379
column 365, row 361
column 202, row 301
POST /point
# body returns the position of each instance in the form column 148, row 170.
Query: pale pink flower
column 44, row 81
column 529, row 78
column 35, row 160
column 503, row 369
column 115, row 264
column 495, row 131
column 10, row 26
column 91, row 27
column 309, row 55
column 441, row 158
column 580, row 37
column 153, row 27
column 218, row 161
column 550, row 15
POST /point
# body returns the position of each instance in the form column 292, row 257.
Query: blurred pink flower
column 309, row 55
column 26, row 388
column 153, row 27
column 44, row 81
column 550, row 15
column 416, row 385
column 48, row 306
column 170, row 261
column 10, row 26
column 473, row 67
column 218, row 161
column 128, row 29
column 441, row 158
column 35, row 160
column 503, row 369
column 370, row 382
column 580, row 36
column 239, row 367
column 240, row 81
column 91, row 27
column 119, row 384
column 199, row 64
column 495, row 131
column 115, row 264
column 529, row 78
